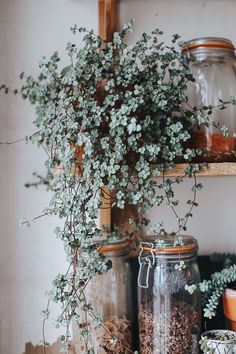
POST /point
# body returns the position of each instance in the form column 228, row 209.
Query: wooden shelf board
column 213, row 169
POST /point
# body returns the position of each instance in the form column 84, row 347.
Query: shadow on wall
column 39, row 349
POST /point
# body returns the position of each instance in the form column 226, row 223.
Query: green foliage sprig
column 213, row 289
column 226, row 259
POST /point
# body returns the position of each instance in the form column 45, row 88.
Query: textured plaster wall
column 29, row 258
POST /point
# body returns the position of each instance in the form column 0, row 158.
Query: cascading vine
column 112, row 120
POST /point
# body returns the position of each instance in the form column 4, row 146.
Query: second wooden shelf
column 213, row 169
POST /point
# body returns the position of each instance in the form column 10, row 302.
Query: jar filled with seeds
column 108, row 298
column 169, row 299
column 212, row 62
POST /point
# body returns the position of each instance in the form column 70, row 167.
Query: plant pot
column 78, row 154
column 229, row 302
column 218, row 341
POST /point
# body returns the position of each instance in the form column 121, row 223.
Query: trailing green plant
column 226, row 259
column 213, row 289
column 116, row 117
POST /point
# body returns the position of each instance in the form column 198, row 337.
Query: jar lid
column 116, row 248
column 169, row 245
column 207, row 42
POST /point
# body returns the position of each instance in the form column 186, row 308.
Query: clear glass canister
column 109, row 295
column 212, row 62
column 169, row 312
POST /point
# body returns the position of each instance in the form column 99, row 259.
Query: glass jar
column 109, row 295
column 169, row 302
column 212, row 63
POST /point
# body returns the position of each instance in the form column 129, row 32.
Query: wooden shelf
column 213, row 169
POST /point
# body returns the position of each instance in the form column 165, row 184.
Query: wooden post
column 108, row 18
column 108, row 24
column 105, row 211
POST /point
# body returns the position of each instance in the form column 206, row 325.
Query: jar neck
column 204, row 53
column 173, row 258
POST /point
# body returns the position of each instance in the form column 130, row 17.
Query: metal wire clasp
column 145, row 264
column 186, row 54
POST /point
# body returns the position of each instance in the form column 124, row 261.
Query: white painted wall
column 30, row 258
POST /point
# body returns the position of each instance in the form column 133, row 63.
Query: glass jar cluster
column 168, row 315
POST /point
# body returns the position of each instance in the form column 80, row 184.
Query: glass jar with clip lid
column 108, row 295
column 169, row 299
column 212, row 62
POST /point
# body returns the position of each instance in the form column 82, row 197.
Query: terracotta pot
column 78, row 154
column 229, row 302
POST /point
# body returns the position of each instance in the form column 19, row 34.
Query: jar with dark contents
column 169, row 299
column 212, row 62
column 109, row 297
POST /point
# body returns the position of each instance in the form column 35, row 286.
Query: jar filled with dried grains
column 212, row 62
column 169, row 299
column 108, row 297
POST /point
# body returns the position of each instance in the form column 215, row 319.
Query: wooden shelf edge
column 213, row 169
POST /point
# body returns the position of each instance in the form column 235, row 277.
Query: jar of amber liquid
column 212, row 63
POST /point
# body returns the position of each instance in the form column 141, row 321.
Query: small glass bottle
column 169, row 314
column 212, row 62
column 109, row 295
